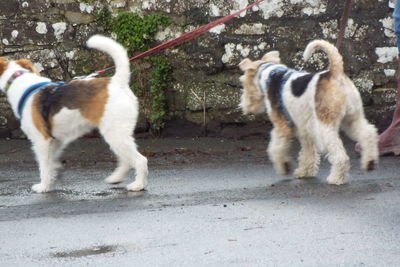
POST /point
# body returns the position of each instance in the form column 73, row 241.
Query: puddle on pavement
column 70, row 195
column 86, row 252
column 62, row 191
column 103, row 194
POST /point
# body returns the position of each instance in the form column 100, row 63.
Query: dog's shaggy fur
column 53, row 117
column 314, row 107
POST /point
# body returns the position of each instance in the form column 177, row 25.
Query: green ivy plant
column 137, row 33
column 161, row 77
column 87, row 1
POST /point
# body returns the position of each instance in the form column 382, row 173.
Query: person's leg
column 389, row 140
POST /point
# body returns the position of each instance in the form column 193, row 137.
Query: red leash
column 343, row 22
column 184, row 38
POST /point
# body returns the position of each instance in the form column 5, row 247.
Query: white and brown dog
column 53, row 114
column 314, row 107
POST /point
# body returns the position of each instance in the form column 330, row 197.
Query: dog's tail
column 117, row 53
column 335, row 59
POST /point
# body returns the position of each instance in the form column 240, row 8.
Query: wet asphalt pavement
column 210, row 202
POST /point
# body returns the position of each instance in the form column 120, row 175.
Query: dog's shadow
column 304, row 181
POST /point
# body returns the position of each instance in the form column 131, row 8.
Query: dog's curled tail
column 117, row 53
column 335, row 59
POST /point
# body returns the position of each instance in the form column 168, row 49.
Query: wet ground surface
column 210, row 202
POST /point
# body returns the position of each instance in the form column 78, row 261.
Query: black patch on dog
column 50, row 99
column 275, row 86
column 300, row 84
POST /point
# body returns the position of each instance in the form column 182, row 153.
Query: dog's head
column 252, row 100
column 28, row 65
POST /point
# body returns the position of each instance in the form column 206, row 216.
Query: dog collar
column 30, row 91
column 15, row 75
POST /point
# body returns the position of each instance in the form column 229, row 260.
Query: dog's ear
column 273, row 57
column 3, row 65
column 245, row 64
column 27, row 64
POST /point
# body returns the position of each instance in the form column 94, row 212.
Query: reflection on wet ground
column 86, row 252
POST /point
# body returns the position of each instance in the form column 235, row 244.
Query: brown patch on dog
column 27, row 64
column 38, row 119
column 88, row 96
column 329, row 100
column 280, row 123
column 3, row 65
column 94, row 109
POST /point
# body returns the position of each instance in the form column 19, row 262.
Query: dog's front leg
column 278, row 150
column 140, row 164
column 308, row 157
column 45, row 151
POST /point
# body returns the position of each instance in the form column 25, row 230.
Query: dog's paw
column 369, row 166
column 305, row 172
column 336, row 180
column 301, row 174
column 58, row 165
column 41, row 188
column 136, row 186
column 113, row 179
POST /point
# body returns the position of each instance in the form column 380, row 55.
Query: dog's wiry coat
column 57, row 115
column 312, row 106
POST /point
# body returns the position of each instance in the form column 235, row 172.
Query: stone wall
column 52, row 33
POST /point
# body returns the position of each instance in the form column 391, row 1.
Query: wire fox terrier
column 312, row 106
column 54, row 114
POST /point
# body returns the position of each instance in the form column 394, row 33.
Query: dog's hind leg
column 336, row 153
column 278, row 149
column 46, row 152
column 120, row 172
column 123, row 145
column 308, row 157
column 140, row 164
column 359, row 130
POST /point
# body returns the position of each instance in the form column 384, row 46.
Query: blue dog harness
column 30, row 91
